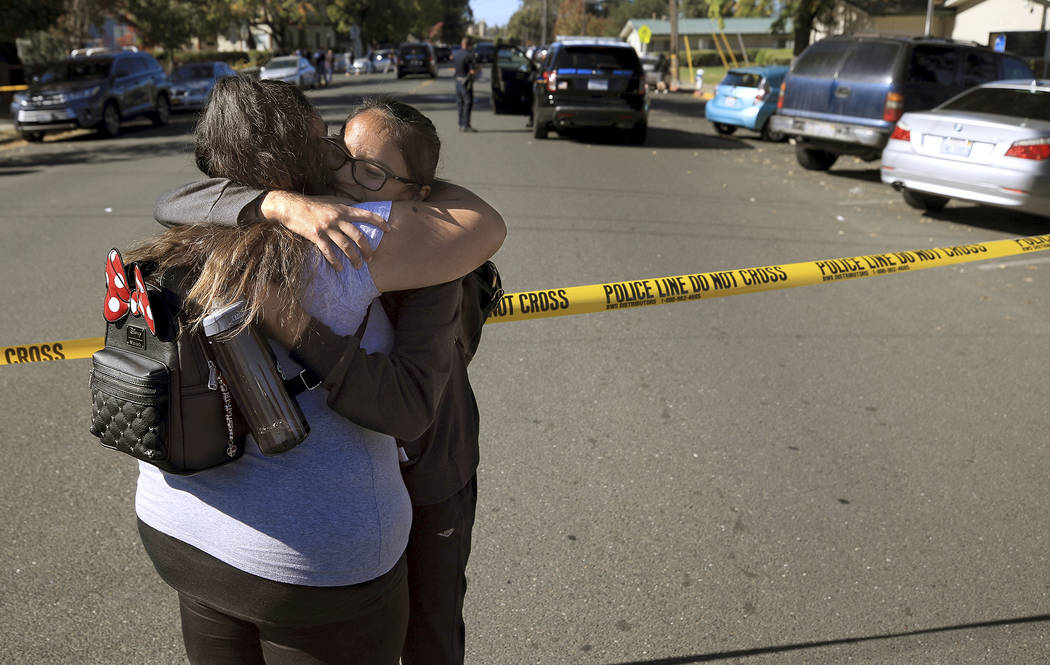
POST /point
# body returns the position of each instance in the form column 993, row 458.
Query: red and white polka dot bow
column 119, row 299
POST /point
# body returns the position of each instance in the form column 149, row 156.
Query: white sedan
column 290, row 69
column 989, row 145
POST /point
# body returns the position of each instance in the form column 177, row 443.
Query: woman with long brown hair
column 297, row 558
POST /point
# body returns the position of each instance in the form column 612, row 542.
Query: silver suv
column 96, row 91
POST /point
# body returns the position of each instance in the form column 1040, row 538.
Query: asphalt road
column 854, row 472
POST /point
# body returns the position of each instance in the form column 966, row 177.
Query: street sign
column 645, row 34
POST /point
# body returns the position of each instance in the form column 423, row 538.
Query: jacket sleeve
column 215, row 200
column 395, row 393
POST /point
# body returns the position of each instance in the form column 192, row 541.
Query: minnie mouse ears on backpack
column 119, row 299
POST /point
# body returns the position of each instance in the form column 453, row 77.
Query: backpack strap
column 307, row 380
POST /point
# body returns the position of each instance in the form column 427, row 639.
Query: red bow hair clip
column 119, row 299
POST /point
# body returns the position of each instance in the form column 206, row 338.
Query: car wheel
column 724, row 129
column 814, row 160
column 33, row 137
column 539, row 130
column 921, row 201
column 769, row 135
column 162, row 113
column 636, row 135
column 110, row 125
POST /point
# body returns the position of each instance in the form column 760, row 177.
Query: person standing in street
column 465, row 68
column 329, row 66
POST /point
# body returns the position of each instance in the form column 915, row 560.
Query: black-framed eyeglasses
column 370, row 175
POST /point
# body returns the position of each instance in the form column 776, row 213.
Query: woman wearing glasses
column 298, row 558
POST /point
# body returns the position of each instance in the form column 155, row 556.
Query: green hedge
column 235, row 59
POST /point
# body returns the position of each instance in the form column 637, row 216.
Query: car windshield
column 76, row 70
column 283, row 63
column 509, row 56
column 1033, row 104
column 596, row 57
column 191, row 72
column 743, row 79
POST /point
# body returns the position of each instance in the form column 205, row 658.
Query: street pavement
column 854, row 472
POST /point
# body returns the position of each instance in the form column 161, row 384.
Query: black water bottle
column 247, row 363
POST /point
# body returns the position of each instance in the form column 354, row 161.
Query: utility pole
column 674, row 44
column 929, row 17
column 543, row 41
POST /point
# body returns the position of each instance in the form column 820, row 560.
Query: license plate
column 732, row 101
column 597, row 84
column 40, row 116
column 957, row 147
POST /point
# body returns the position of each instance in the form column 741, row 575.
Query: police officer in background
column 465, row 68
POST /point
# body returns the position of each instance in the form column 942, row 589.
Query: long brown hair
column 259, row 134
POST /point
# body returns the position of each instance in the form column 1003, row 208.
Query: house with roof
column 743, row 33
column 977, row 20
column 962, row 20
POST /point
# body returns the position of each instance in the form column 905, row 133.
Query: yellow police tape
column 13, row 88
column 684, row 288
column 660, row 290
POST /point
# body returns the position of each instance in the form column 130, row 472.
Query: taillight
column 900, row 133
column 894, row 108
column 643, row 84
column 551, row 78
column 1038, row 149
column 780, row 99
column 763, row 92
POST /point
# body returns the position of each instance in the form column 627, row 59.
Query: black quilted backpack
column 156, row 395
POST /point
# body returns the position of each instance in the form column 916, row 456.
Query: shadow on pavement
column 784, row 648
column 993, row 219
column 864, row 175
column 660, row 137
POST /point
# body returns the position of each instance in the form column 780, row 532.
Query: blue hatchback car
column 746, row 97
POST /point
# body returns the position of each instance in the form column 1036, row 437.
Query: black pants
column 438, row 549
column 230, row 617
column 464, row 100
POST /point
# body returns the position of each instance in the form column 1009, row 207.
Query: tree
column 526, row 24
column 70, row 29
column 22, row 18
column 170, row 24
column 805, row 15
column 622, row 12
column 274, row 17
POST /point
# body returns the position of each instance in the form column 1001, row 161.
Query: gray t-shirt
column 331, row 512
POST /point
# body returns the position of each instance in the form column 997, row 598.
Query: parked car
column 443, row 53
column 416, row 58
column 290, row 69
column 512, row 75
column 989, row 145
column 191, row 83
column 844, row 94
column 747, row 97
column 484, row 52
column 591, row 83
column 96, row 91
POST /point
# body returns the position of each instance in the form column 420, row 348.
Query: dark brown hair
column 261, row 134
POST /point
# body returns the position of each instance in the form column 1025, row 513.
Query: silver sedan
column 989, row 145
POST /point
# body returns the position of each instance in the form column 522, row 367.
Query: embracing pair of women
column 321, row 554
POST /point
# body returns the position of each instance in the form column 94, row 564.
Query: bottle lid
column 224, row 319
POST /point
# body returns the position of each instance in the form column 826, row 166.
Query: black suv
column 416, row 58
column 93, row 91
column 591, row 83
column 844, row 94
